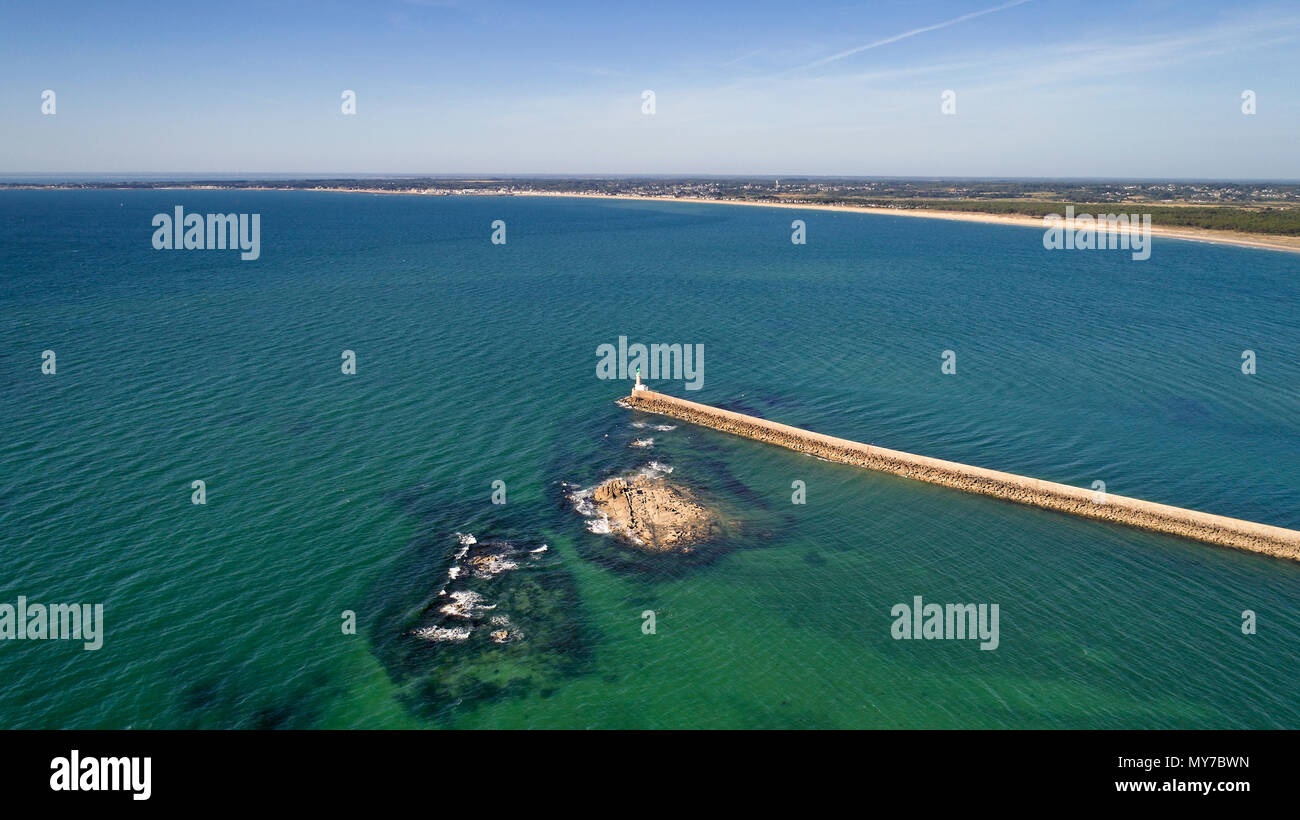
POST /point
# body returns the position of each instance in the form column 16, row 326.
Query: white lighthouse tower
column 638, row 386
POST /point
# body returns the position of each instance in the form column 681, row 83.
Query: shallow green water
column 477, row 362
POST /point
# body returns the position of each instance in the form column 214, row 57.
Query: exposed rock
column 653, row 514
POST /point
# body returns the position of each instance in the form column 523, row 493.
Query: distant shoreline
column 1286, row 244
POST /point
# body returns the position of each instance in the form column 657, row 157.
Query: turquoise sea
column 476, row 363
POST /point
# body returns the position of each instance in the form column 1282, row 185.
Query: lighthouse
column 638, row 385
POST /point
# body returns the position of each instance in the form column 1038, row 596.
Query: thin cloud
column 742, row 58
column 878, row 43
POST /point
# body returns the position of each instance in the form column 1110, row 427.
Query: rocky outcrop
column 1215, row 529
column 504, row 619
column 653, row 514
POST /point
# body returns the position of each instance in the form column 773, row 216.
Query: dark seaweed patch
column 505, row 587
column 221, row 701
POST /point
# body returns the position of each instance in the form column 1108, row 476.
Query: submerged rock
column 503, row 623
column 460, row 609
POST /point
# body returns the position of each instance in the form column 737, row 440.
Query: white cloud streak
column 912, row 33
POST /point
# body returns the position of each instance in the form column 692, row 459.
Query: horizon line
column 187, row 176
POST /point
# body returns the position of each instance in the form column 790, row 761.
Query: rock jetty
column 1214, row 529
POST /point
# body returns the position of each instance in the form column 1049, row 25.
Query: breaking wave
column 583, row 504
column 655, row 469
column 442, row 633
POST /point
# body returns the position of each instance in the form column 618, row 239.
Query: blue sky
column 1043, row 88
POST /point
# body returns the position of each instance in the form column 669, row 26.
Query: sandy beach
column 1289, row 244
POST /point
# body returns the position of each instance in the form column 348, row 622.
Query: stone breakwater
column 1215, row 529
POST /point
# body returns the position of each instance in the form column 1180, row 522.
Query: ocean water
column 476, row 363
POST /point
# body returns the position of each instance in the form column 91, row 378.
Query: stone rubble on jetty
column 1215, row 529
column 653, row 514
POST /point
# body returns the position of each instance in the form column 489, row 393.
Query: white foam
column 582, row 502
column 464, row 604
column 598, row 522
column 466, row 538
column 488, row 566
column 644, row 442
column 541, row 549
column 439, row 633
